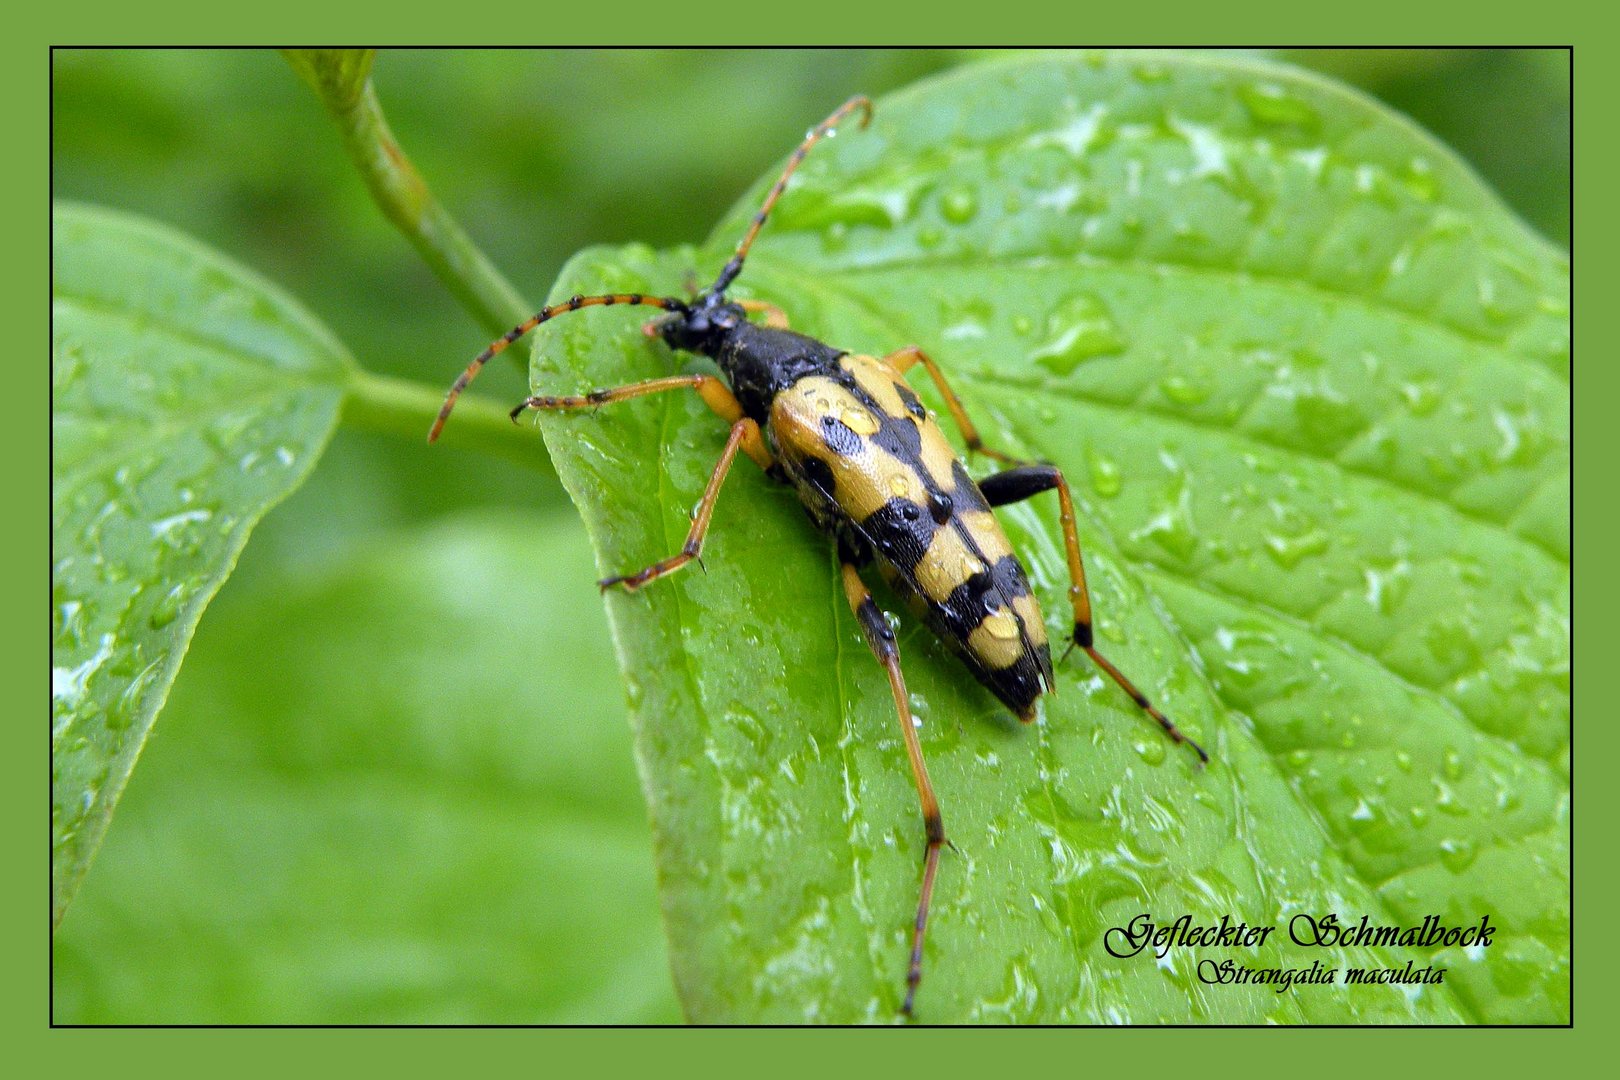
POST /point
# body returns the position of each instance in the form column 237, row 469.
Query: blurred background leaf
column 414, row 805
column 538, row 154
column 188, row 396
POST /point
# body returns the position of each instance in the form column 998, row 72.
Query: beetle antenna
column 734, row 267
column 668, row 303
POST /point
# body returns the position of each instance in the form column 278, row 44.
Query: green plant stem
column 399, row 407
column 406, row 200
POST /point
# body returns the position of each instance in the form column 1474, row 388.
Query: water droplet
column 1079, row 328
column 1326, row 416
column 168, row 608
column 1451, row 640
column 1458, row 854
column 1420, row 179
column 1269, row 103
column 835, row 237
column 1387, row 586
column 1105, row 476
column 1288, row 551
column 1001, row 625
column 966, row 318
column 959, row 205
column 1362, row 815
column 858, row 420
column 1183, row 391
column 1445, row 800
column 1173, row 528
column 900, row 485
column 1421, row 397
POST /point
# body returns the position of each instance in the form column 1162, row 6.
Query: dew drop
column 858, row 420
column 1269, row 103
column 835, row 237
column 1421, row 397
column 1327, row 417
column 1183, row 391
column 1001, row 625
column 1079, row 328
column 168, row 608
column 1288, row 551
column 1458, row 855
column 1420, row 180
column 959, row 205
column 1105, row 475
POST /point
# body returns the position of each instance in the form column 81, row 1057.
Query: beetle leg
column 714, row 393
column 1016, row 484
column 775, row 317
column 903, row 359
column 500, row 344
column 880, row 638
column 744, row 433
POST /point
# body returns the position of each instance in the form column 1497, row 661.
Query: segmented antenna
column 729, row 272
column 499, row 345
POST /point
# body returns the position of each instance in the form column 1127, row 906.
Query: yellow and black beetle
column 874, row 472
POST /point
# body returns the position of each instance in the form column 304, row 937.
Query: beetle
column 874, row 471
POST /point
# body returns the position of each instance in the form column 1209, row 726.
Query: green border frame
column 27, row 77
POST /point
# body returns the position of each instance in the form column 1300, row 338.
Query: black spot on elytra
column 839, row 437
column 966, row 493
column 909, row 400
column 965, row 608
column 901, row 438
column 900, row 533
column 820, row 474
column 896, row 436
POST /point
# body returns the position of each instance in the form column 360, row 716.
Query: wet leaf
column 188, row 396
column 436, row 821
column 1310, row 381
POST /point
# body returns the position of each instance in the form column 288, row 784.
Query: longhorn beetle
column 876, row 474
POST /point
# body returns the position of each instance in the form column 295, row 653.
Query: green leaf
column 433, row 819
column 1310, row 380
column 188, row 396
